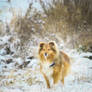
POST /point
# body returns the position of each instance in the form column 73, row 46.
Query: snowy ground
column 17, row 75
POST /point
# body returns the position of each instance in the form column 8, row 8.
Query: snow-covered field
column 18, row 75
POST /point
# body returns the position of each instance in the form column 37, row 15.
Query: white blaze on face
column 45, row 55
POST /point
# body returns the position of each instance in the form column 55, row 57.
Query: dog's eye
column 43, row 49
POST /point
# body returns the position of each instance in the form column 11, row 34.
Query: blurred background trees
column 71, row 18
column 60, row 20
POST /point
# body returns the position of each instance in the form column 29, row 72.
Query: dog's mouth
column 53, row 64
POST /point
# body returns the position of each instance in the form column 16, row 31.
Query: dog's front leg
column 45, row 77
column 47, row 81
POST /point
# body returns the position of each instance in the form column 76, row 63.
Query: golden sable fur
column 53, row 63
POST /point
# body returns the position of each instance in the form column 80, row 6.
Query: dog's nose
column 45, row 54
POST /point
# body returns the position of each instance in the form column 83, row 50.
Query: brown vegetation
column 67, row 18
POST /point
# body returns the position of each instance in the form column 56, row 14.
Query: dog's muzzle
column 52, row 64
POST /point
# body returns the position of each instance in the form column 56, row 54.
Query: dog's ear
column 52, row 43
column 41, row 44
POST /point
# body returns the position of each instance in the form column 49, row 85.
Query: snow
column 4, row 39
column 18, row 61
column 29, row 79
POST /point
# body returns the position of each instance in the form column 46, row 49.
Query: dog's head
column 47, row 51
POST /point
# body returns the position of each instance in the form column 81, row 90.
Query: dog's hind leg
column 65, row 71
column 55, row 77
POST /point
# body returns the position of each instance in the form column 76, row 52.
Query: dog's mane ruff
column 58, row 56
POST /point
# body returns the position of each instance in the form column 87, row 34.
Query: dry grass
column 1, row 28
column 69, row 18
column 27, row 27
column 63, row 20
column 70, row 11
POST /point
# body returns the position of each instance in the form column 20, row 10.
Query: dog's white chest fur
column 47, row 69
